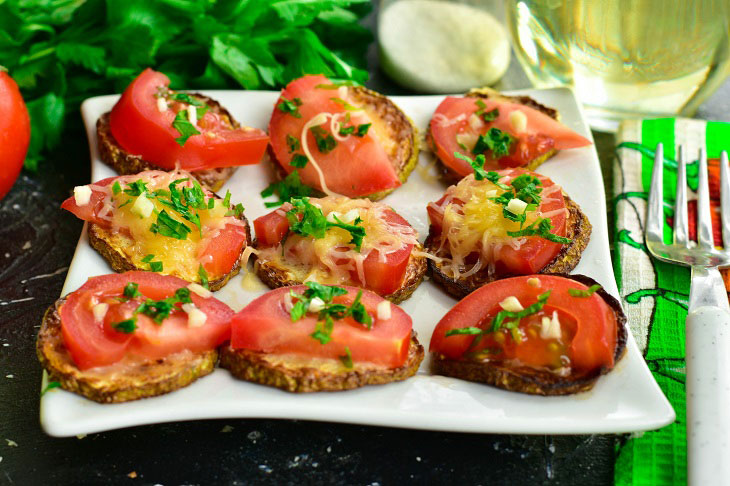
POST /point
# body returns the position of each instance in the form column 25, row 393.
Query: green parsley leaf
column 477, row 164
column 184, row 127
column 359, row 313
column 464, row 330
column 348, row 130
column 362, row 130
column 131, row 290
column 494, row 178
column 347, row 358
column 299, row 161
column 116, row 188
column 227, row 199
column 290, row 106
column 136, row 188
column 357, row 232
column 289, row 188
column 496, row 140
column 50, row 386
column 185, row 98
column 293, row 143
column 325, row 141
column 584, row 293
column 308, row 220
column 481, row 106
column 127, row 326
column 540, row 228
column 166, row 226
column 490, row 115
column 503, row 315
column 156, row 266
column 203, row 277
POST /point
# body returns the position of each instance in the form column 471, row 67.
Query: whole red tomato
column 14, row 132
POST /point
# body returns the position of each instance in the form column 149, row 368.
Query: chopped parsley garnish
column 184, row 127
column 299, row 161
column 50, row 386
column 203, row 277
column 186, row 98
column 131, row 290
column 308, row 220
column 487, row 116
column 325, row 141
column 477, row 164
column 136, row 188
column 116, row 188
column 290, row 106
column 349, row 130
column 330, row 312
column 289, row 188
column 292, row 142
column 505, row 319
column 359, row 131
column 237, row 211
column 155, row 266
column 127, row 326
column 526, row 188
column 540, row 228
column 166, row 226
column 362, row 130
column 347, row 358
column 496, row 140
column 584, row 293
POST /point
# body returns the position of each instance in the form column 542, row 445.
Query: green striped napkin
column 655, row 294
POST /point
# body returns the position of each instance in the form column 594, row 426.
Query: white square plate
column 627, row 399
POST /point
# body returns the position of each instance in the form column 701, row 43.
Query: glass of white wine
column 624, row 58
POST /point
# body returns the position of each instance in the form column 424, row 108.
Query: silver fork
column 707, row 342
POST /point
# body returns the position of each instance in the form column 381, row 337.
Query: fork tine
column 681, row 235
column 725, row 199
column 704, row 220
column 655, row 218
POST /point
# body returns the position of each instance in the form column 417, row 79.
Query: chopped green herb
column 481, row 106
column 131, row 290
column 496, row 140
column 477, row 164
column 494, row 178
column 325, row 141
column 211, row 203
column 464, row 330
column 185, row 98
column 292, row 142
column 308, row 220
column 237, row 211
column 156, row 266
column 127, row 326
column 184, row 127
column 291, row 106
column 116, row 188
column 347, row 358
column 287, row 189
column 50, row 386
column 166, row 226
column 203, row 277
column 348, row 130
column 462, row 146
column 347, row 106
column 584, row 293
column 299, row 161
column 227, row 199
column 490, row 115
column 136, row 188
column 159, row 310
column 540, row 228
column 358, row 312
column 362, row 130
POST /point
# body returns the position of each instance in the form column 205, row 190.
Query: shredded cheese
column 200, row 291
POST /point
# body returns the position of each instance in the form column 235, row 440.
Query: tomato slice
column 355, row 167
column 14, row 132
column 536, row 252
column 141, row 128
column 382, row 275
column 265, row 325
column 588, row 326
column 223, row 250
column 95, row 343
column 453, row 124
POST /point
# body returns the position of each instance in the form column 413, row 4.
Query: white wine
column 624, row 58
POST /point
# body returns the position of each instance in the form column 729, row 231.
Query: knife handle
column 707, row 349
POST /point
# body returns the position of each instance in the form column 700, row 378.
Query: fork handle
column 707, row 346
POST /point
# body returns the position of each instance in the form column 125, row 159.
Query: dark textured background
column 37, row 241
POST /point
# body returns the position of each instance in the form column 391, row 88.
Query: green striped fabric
column 655, row 294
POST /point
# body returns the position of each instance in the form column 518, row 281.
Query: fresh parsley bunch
column 63, row 51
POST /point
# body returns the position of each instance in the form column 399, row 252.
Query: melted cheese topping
column 476, row 226
column 330, row 260
column 178, row 257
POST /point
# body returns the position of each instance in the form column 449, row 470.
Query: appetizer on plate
column 496, row 224
column 510, row 131
column 342, row 140
column 154, row 127
column 164, row 222
column 339, row 241
column 126, row 336
column 538, row 334
column 315, row 337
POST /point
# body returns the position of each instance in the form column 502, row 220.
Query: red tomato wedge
column 141, row 128
column 382, row 276
column 536, row 252
column 265, row 325
column 588, row 325
column 219, row 249
column 453, row 124
column 95, row 342
column 355, row 167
